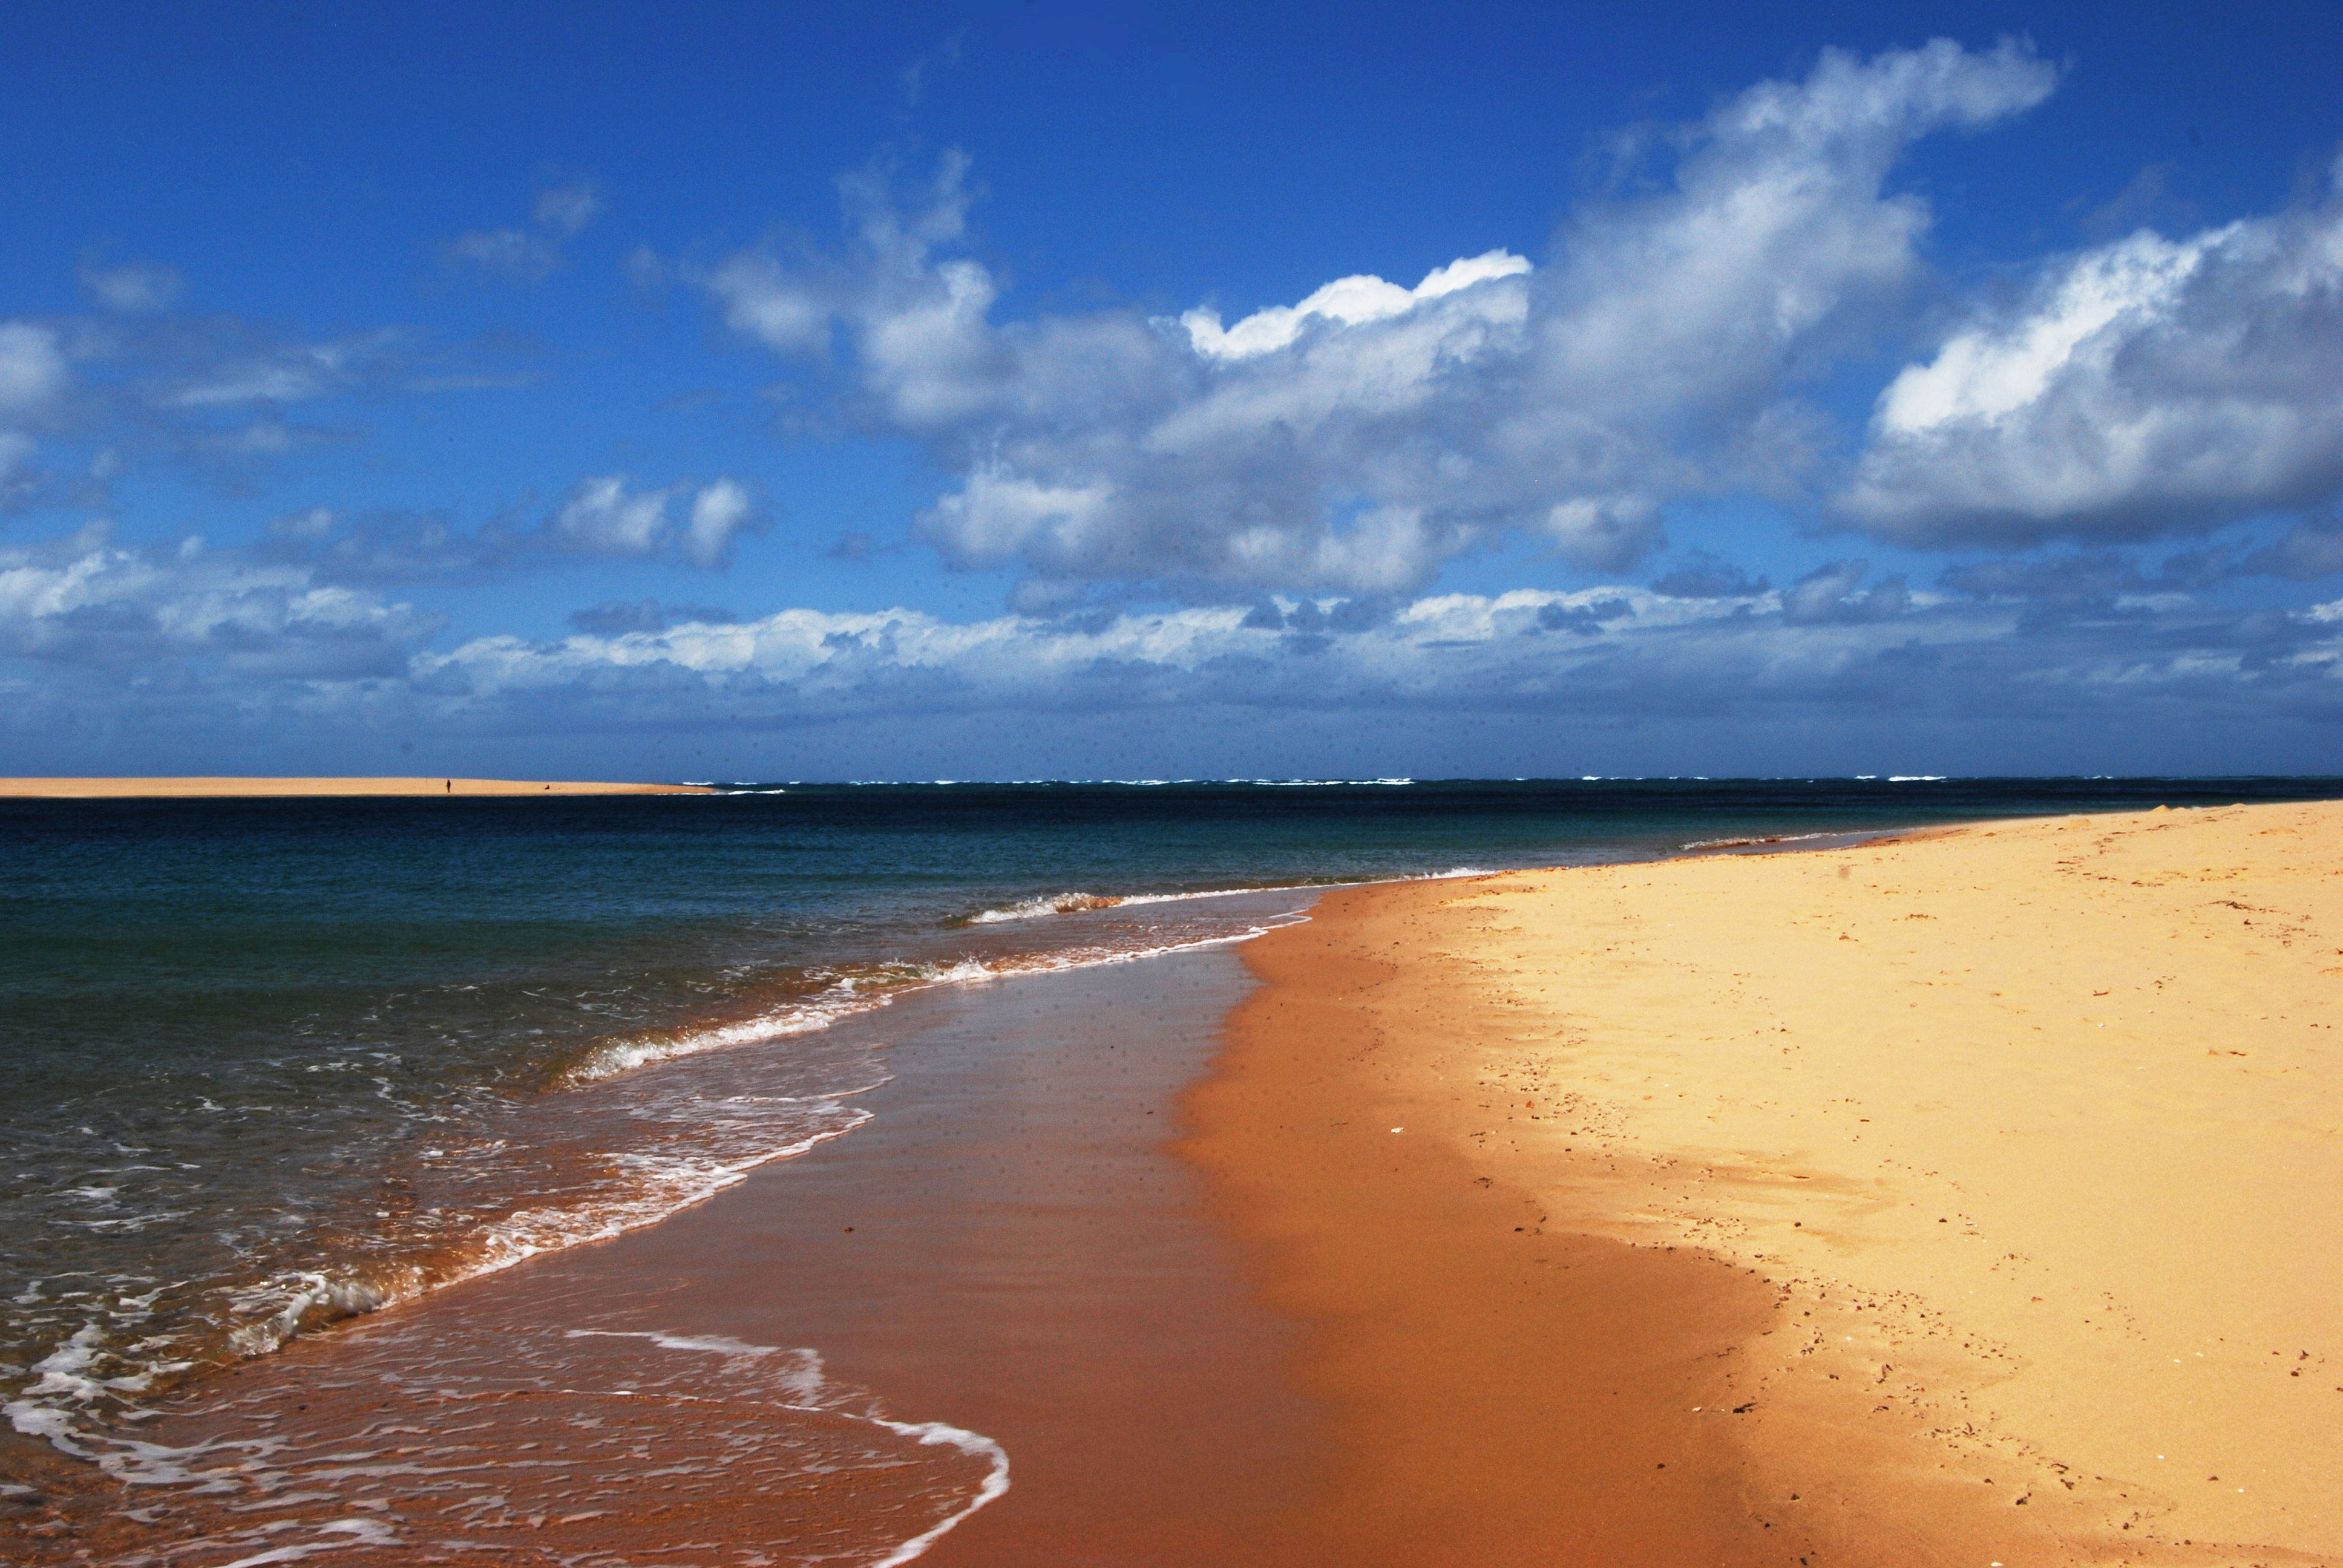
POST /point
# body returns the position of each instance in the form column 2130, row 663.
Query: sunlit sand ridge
column 1987, row 1187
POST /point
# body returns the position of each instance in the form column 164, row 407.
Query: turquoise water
column 273, row 1063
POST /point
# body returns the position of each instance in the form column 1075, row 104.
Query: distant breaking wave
column 1077, row 903
column 1764, row 839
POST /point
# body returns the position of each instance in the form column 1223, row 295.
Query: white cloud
column 600, row 518
column 1825, row 648
column 213, row 640
column 32, row 369
column 566, row 209
column 134, row 287
column 525, row 255
column 138, row 381
column 998, row 514
column 603, row 517
column 766, row 302
column 1347, row 300
column 2144, row 386
column 81, row 602
column 292, row 374
column 718, row 512
column 1608, row 535
column 1362, row 437
column 904, row 657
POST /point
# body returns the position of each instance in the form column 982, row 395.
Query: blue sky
column 1123, row 390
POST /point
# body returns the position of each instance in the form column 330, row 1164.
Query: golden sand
column 2028, row 1135
column 181, row 789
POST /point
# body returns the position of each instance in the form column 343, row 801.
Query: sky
column 1145, row 390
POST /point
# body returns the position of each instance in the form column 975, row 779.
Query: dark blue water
column 274, row 1062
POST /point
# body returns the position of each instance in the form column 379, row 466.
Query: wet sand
column 1006, row 1247
column 1499, row 1389
column 242, row 789
column 1969, row 1199
column 1964, row 1200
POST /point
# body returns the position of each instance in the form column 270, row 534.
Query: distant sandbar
column 186, row 788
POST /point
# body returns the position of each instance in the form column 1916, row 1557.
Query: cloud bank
column 1293, row 479
column 1358, row 439
column 133, row 616
column 222, row 645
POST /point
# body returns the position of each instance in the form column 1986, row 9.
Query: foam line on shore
column 269, row 1312
column 994, row 1486
column 863, row 992
column 1042, row 906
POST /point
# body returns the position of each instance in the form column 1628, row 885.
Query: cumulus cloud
column 2141, row 388
column 1361, row 436
column 604, row 517
column 768, row 302
column 1350, row 301
column 85, row 603
column 1609, row 534
column 718, row 512
column 601, row 518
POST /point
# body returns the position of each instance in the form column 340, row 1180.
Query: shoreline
column 1628, row 1375
column 535, row 1235
column 263, row 788
column 1001, row 1277
column 1928, row 1200
column 1487, row 1378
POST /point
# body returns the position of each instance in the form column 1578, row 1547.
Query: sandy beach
column 1967, row 1198
column 231, row 789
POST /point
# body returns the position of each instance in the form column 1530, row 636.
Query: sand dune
column 1991, row 1185
column 145, row 789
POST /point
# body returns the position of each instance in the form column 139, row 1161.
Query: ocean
column 275, row 1064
